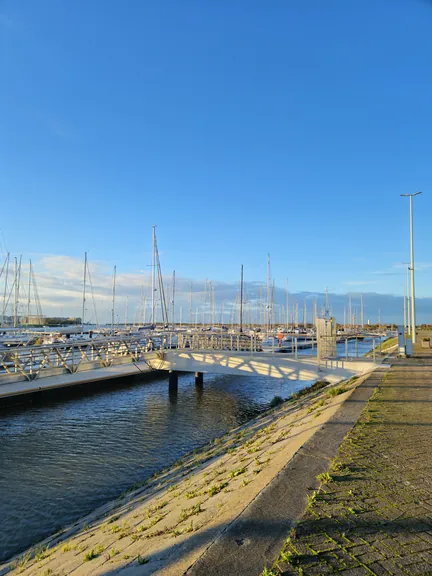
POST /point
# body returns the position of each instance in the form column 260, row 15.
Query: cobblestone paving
column 373, row 515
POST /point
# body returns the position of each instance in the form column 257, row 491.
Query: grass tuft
column 336, row 391
column 216, row 488
column 268, row 572
column 193, row 494
column 93, row 553
column 188, row 512
column 324, row 478
column 276, row 401
column 237, row 472
column 41, row 553
column 155, row 520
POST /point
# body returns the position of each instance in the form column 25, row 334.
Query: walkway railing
column 28, row 363
column 211, row 341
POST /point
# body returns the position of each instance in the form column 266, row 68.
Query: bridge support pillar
column 173, row 379
column 199, row 379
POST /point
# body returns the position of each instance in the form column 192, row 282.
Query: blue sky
column 239, row 128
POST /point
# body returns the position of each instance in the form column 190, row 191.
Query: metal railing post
column 346, row 348
column 296, row 348
column 374, row 351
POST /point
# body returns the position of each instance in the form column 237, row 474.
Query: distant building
column 32, row 320
column 35, row 320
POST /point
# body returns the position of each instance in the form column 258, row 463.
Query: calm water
column 61, row 459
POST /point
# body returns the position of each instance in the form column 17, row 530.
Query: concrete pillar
column 199, row 379
column 173, row 379
column 173, row 394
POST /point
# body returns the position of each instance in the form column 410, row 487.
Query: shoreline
column 150, row 525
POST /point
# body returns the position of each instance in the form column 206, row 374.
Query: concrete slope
column 257, row 536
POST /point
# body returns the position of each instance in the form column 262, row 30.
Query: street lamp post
column 413, row 317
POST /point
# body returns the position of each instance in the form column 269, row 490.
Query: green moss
column 216, row 488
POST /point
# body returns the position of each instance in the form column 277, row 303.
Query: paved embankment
column 373, row 512
column 259, row 533
column 167, row 524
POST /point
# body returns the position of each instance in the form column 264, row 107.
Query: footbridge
column 26, row 370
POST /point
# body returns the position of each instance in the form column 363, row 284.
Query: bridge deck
column 23, row 387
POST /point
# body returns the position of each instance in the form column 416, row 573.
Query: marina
column 80, row 399
column 215, row 288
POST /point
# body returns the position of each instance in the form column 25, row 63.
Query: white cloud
column 400, row 268
column 60, row 286
column 360, row 282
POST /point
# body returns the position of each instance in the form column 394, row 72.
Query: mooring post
column 173, row 378
column 199, row 379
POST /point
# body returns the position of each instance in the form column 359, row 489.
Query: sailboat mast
column 349, row 312
column 84, row 291
column 211, row 304
column 153, row 277
column 327, row 305
column 287, row 305
column 241, row 298
column 268, row 319
column 273, row 307
column 173, row 301
column 18, row 288
column 5, row 288
column 144, row 310
column 29, row 289
column 260, row 308
column 113, row 300
column 205, row 304
column 15, row 292
column 190, row 306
